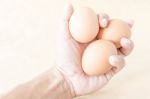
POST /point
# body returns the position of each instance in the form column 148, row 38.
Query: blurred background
column 28, row 31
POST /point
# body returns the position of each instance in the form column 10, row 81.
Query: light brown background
column 28, row 32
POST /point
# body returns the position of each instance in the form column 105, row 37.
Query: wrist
column 50, row 84
column 62, row 86
column 68, row 82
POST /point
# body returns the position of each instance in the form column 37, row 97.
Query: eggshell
column 115, row 30
column 84, row 25
column 95, row 59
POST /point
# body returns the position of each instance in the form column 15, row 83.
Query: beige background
column 28, row 32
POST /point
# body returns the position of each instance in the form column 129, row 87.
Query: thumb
column 117, row 61
column 64, row 32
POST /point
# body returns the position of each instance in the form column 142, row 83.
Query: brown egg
column 115, row 30
column 84, row 25
column 95, row 59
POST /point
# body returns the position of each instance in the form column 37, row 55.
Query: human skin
column 67, row 79
column 70, row 53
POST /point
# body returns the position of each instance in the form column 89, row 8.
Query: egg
column 115, row 30
column 84, row 25
column 95, row 59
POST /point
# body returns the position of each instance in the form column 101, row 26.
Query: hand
column 69, row 54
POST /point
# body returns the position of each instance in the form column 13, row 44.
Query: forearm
column 50, row 85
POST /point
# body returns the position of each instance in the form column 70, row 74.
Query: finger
column 109, row 74
column 97, row 82
column 68, row 10
column 118, row 64
column 117, row 61
column 64, row 32
column 130, row 22
column 127, row 46
column 119, row 52
column 103, row 20
column 100, row 80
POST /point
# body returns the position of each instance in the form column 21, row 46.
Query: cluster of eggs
column 84, row 28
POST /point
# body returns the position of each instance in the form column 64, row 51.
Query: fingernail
column 113, row 59
column 125, row 42
column 103, row 22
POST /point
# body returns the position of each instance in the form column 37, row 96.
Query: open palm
column 69, row 54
